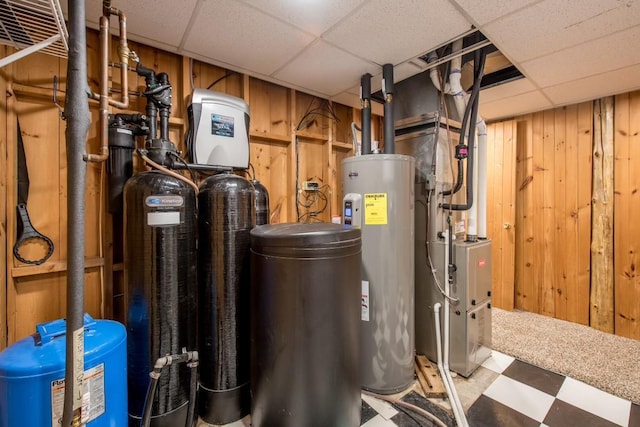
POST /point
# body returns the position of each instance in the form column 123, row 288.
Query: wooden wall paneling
column 560, row 213
column 343, row 125
column 623, row 245
column 220, row 80
column 338, row 154
column 496, row 212
column 313, row 166
column 291, row 214
column 525, row 243
column 270, row 161
column 270, row 105
column 570, row 263
column 631, row 295
column 492, row 219
column 547, row 296
column 533, row 296
column 627, row 204
column 585, row 137
column 3, row 201
column 317, row 123
column 509, row 215
column 602, row 293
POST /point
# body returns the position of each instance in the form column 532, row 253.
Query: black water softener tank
column 226, row 217
column 262, row 202
column 160, row 272
column 305, row 327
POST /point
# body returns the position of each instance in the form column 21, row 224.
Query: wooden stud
column 570, row 219
column 3, row 204
column 585, row 170
column 509, row 216
column 559, row 212
column 602, row 294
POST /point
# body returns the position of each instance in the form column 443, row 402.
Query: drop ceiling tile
column 598, row 56
column 515, row 87
column 236, row 34
column 485, row 11
column 610, row 83
column 552, row 25
column 148, row 21
column 514, row 105
column 325, row 68
column 400, row 72
column 315, row 17
column 391, row 32
column 346, row 98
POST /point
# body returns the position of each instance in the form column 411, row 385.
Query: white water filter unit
column 379, row 199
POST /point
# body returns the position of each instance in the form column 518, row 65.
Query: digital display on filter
column 347, row 211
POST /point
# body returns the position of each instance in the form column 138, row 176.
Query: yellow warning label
column 375, row 209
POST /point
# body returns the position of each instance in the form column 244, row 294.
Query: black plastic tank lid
column 319, row 234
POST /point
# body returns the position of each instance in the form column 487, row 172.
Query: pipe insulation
column 481, row 126
column 78, row 121
column 389, row 123
column 365, row 114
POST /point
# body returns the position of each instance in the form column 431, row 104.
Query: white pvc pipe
column 481, row 126
column 472, row 225
column 461, row 419
column 455, row 76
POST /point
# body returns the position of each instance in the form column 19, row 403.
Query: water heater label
column 163, row 218
column 221, row 125
column 93, row 398
column 375, row 209
column 365, row 301
column 164, row 201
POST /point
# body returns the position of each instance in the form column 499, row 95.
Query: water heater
column 379, row 200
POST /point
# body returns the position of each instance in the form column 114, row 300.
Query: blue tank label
column 164, row 201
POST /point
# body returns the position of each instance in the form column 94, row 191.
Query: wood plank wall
column 553, row 205
column 36, row 294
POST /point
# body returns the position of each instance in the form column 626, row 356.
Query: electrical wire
column 215, row 82
column 166, row 171
column 422, row 412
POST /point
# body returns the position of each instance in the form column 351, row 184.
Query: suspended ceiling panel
column 485, row 11
column 553, row 25
column 242, row 36
column 326, row 68
column 597, row 56
column 395, row 31
column 313, row 16
column 569, row 50
column 591, row 87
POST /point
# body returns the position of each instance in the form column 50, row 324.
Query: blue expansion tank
column 32, row 376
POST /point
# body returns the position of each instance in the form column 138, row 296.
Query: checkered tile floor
column 521, row 395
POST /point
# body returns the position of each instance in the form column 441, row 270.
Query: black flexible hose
column 191, row 411
column 480, row 58
column 148, row 403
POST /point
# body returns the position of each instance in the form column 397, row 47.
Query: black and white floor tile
column 521, row 395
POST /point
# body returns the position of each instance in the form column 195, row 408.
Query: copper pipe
column 104, row 94
column 124, row 54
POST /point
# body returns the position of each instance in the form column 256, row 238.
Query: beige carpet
column 608, row 362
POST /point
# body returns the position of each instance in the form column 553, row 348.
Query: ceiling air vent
column 32, row 25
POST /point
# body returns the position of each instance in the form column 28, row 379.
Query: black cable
column 186, row 165
column 297, row 178
column 480, row 57
column 253, row 172
column 215, row 82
